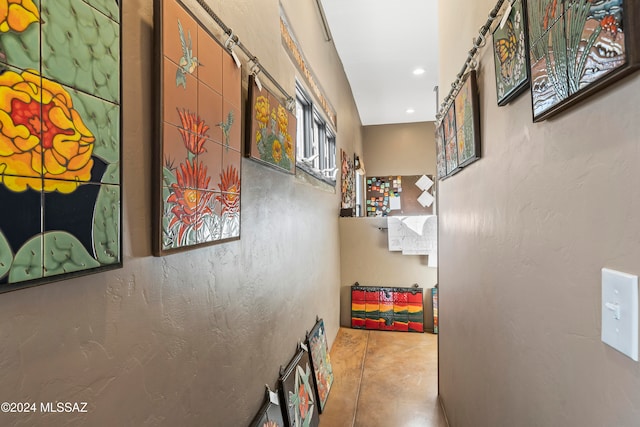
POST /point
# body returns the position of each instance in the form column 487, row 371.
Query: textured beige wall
column 399, row 149
column 191, row 338
column 524, row 233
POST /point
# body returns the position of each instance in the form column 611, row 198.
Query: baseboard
column 444, row 412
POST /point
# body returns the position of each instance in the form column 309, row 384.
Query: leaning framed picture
column 271, row 129
column 270, row 414
column 297, row 393
column 60, row 140
column 320, row 363
column 511, row 55
column 467, row 112
column 577, row 48
column 197, row 148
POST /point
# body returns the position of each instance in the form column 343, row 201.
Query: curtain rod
column 235, row 40
column 470, row 63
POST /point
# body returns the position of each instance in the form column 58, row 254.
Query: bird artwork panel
column 199, row 157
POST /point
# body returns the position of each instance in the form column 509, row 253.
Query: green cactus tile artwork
column 80, row 48
column 60, row 77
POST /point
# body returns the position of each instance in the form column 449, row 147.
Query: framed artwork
column 270, row 414
column 510, row 54
column 348, row 181
column 320, row 363
column 441, row 163
column 197, row 154
column 271, row 130
column 578, row 47
column 297, row 393
column 450, row 141
column 60, row 143
column 467, row 112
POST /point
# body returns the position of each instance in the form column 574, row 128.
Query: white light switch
column 620, row 311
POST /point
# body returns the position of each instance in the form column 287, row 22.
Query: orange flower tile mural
column 297, row 392
column 199, row 156
column 59, row 140
column 271, row 130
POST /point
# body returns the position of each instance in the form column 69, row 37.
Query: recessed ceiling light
column 418, row 71
column 410, row 111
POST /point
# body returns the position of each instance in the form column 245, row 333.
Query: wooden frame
column 297, row 395
column 320, row 363
column 197, row 156
column 559, row 33
column 467, row 112
column 271, row 130
column 511, row 55
column 61, row 189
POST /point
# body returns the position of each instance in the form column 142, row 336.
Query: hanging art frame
column 441, row 161
column 61, row 143
column 270, row 414
column 467, row 121
column 450, row 141
column 197, row 156
column 511, row 56
column 347, row 180
column 577, row 48
column 297, row 395
column 271, row 130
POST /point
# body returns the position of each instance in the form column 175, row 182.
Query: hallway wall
column 399, row 149
column 524, row 233
column 190, row 338
column 394, row 149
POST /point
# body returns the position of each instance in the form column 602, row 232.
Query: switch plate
column 620, row 311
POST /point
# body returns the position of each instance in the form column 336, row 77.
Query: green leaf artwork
column 63, row 253
column 6, row 257
column 27, row 264
column 106, row 225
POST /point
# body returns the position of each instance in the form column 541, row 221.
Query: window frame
column 318, row 139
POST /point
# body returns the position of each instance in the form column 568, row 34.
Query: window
column 359, row 188
column 316, row 142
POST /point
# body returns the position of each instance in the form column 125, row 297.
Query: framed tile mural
column 60, row 140
column 270, row 414
column 198, row 135
column 510, row 55
column 348, row 180
column 320, row 363
column 467, row 112
column 271, row 130
column 450, row 141
column 440, row 152
column 578, row 47
column 297, row 393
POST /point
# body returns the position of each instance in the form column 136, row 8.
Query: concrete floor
column 383, row 379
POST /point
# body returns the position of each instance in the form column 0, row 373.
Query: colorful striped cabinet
column 387, row 309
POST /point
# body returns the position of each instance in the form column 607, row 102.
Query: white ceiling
column 380, row 43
